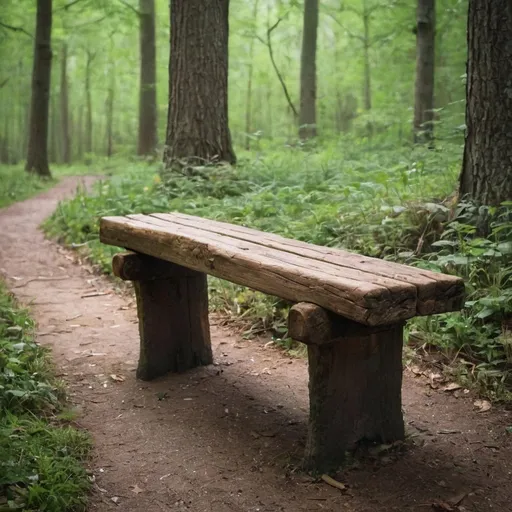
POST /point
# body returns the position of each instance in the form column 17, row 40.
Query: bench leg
column 173, row 325
column 355, row 384
column 355, row 395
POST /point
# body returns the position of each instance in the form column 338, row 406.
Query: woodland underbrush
column 398, row 204
column 41, row 453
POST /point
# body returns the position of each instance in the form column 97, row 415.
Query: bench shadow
column 262, row 424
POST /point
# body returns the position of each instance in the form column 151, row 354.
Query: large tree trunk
column 487, row 166
column 64, row 106
column 37, row 154
column 88, row 103
column 425, row 59
column 197, row 129
column 307, row 114
column 148, row 138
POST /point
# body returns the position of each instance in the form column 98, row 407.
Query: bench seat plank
column 366, row 290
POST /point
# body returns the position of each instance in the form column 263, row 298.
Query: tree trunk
column 197, row 129
column 88, row 100
column 425, row 59
column 109, row 104
column 148, row 137
column 248, row 99
column 367, row 79
column 37, row 154
column 487, row 165
column 64, row 106
column 79, row 130
column 307, row 114
column 54, row 123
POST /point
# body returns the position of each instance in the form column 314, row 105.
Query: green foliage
column 477, row 245
column 16, row 184
column 40, row 457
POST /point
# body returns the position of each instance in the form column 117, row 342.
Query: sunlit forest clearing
column 379, row 127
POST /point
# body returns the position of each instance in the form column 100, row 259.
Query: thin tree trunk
column 88, row 103
column 425, row 59
column 197, row 128
column 367, row 79
column 307, row 114
column 80, row 133
column 64, row 107
column 54, row 149
column 110, row 112
column 248, row 99
column 486, row 175
column 37, row 154
column 148, row 137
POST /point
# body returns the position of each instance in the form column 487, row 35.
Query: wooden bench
column 349, row 310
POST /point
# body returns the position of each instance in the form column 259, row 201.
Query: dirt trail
column 228, row 437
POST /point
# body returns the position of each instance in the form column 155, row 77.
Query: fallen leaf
column 117, row 378
column 115, row 499
column 453, row 386
column 136, row 489
column 482, row 405
column 457, row 498
column 334, row 483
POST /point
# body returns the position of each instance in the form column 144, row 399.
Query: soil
column 229, row 437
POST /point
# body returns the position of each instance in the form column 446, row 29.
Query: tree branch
column 268, row 43
column 129, row 6
column 3, row 82
column 15, row 29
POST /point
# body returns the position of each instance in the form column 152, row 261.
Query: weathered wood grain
column 354, row 390
column 367, row 290
column 436, row 292
column 266, row 270
column 173, row 325
column 130, row 266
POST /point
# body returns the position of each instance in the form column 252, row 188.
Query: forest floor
column 229, row 437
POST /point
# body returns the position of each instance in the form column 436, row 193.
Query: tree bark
column 79, row 130
column 486, row 175
column 37, row 154
column 64, row 106
column 425, row 59
column 109, row 104
column 307, row 114
column 148, row 137
column 197, row 129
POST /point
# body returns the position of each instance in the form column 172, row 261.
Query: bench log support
column 355, row 380
column 172, row 306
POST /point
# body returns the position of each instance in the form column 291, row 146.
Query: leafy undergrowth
column 41, row 455
column 397, row 204
column 16, row 184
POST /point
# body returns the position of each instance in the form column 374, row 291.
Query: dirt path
column 228, row 437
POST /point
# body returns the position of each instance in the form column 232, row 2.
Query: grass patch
column 41, row 455
column 392, row 203
column 17, row 185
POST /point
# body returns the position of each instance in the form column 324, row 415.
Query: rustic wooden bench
column 349, row 310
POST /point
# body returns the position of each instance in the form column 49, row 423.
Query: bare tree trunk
column 367, row 79
column 487, row 165
column 79, row 130
column 307, row 114
column 64, row 106
column 53, row 149
column 88, row 102
column 37, row 154
column 425, row 59
column 110, row 112
column 248, row 99
column 197, row 129
column 148, row 137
